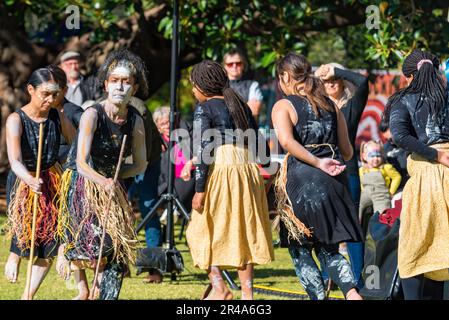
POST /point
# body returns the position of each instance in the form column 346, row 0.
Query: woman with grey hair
column 349, row 91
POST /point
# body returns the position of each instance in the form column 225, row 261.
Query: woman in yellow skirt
column 230, row 227
column 419, row 122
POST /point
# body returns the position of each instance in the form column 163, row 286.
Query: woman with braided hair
column 419, row 122
column 87, row 180
column 311, row 190
column 230, row 226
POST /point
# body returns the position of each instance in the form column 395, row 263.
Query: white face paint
column 122, row 70
column 119, row 92
column 50, row 87
column 47, row 89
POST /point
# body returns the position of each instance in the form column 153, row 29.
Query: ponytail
column 297, row 66
column 211, row 78
column 316, row 94
column 427, row 82
column 236, row 107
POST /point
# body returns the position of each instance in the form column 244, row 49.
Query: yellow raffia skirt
column 424, row 230
column 233, row 229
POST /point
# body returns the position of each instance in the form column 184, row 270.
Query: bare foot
column 63, row 265
column 12, row 267
column 353, row 295
column 219, row 295
column 82, row 295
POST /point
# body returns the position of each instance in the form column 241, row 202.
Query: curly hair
column 126, row 58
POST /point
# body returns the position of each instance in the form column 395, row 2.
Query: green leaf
column 268, row 59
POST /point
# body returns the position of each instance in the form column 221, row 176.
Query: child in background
column 379, row 180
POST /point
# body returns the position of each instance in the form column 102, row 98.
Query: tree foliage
column 266, row 29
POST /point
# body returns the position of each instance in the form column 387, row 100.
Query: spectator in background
column 145, row 186
column 349, row 91
column 379, row 180
column 79, row 89
column 72, row 111
column 393, row 153
column 235, row 65
column 183, row 152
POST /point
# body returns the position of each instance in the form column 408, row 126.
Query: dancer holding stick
column 35, row 202
column 86, row 187
column 35, row 173
column 108, row 205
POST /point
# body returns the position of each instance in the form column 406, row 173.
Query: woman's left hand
column 198, row 201
column 331, row 166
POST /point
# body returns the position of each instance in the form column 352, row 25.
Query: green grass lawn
column 189, row 285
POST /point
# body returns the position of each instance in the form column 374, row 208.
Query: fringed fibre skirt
column 20, row 214
column 84, row 214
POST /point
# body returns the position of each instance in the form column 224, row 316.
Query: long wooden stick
column 108, row 204
column 35, row 203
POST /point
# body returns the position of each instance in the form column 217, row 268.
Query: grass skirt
column 83, row 216
column 424, row 230
column 234, row 229
column 20, row 214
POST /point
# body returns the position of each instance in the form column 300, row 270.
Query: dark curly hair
column 136, row 64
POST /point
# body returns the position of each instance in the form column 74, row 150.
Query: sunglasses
column 331, row 80
column 231, row 64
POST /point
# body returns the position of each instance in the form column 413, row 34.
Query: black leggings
column 111, row 283
column 420, row 288
column 330, row 259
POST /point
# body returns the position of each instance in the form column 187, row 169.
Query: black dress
column 320, row 201
column 29, row 142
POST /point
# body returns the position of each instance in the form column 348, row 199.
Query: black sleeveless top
column 313, row 130
column 106, row 143
column 241, row 87
column 29, row 142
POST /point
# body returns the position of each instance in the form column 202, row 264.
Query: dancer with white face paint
column 22, row 138
column 87, row 180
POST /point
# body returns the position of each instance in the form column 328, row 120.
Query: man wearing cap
column 79, row 89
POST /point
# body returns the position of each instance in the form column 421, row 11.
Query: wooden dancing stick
column 108, row 204
column 35, row 202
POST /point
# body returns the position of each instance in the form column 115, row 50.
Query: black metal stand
column 172, row 258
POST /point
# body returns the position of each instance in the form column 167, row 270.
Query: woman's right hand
column 325, row 71
column 331, row 166
column 34, row 184
column 109, row 185
column 443, row 157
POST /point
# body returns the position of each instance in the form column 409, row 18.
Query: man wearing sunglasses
column 235, row 64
